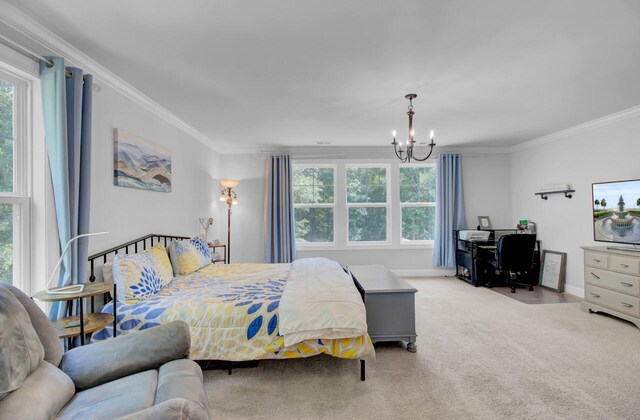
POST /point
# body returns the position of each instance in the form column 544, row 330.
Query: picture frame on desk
column 484, row 222
column 553, row 270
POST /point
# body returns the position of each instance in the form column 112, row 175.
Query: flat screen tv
column 616, row 212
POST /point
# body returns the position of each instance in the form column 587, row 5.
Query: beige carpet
column 539, row 295
column 480, row 355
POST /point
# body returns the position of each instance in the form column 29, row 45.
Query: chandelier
column 405, row 154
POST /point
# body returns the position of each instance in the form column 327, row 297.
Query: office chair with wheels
column 514, row 260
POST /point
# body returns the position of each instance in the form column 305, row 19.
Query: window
column 14, row 199
column 417, row 202
column 314, row 203
column 367, row 190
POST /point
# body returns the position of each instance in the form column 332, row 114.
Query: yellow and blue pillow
column 189, row 255
column 141, row 275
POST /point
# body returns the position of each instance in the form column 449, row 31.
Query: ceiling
column 293, row 73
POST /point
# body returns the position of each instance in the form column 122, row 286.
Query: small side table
column 95, row 321
column 213, row 247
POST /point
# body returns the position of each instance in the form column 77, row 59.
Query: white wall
column 486, row 189
column 608, row 152
column 128, row 213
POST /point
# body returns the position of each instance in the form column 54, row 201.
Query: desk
column 471, row 254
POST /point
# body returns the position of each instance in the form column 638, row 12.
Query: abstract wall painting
column 138, row 163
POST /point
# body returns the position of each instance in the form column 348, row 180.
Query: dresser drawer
column 622, row 264
column 614, row 281
column 617, row 301
column 595, row 259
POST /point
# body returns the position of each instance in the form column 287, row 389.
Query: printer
column 474, row 235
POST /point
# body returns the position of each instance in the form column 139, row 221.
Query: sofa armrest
column 174, row 409
column 95, row 364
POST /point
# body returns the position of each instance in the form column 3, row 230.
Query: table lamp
column 74, row 288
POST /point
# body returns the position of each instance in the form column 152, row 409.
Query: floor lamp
column 230, row 197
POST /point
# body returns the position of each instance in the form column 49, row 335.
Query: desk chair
column 514, row 260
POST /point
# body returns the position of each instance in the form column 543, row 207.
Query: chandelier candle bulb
column 431, row 135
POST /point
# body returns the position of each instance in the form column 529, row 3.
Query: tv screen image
column 616, row 212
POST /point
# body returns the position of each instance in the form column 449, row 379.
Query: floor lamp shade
column 229, row 183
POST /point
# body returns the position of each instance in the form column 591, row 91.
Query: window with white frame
column 417, row 202
column 367, row 198
column 14, row 185
column 314, row 203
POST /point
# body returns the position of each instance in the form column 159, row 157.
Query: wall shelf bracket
column 545, row 195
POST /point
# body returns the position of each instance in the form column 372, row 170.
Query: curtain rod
column 27, row 52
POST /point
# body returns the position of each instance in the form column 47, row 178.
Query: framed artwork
column 552, row 270
column 484, row 222
column 138, row 163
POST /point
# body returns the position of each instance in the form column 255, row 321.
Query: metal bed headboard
column 136, row 244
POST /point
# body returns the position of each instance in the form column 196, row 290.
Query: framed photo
column 484, row 222
column 552, row 270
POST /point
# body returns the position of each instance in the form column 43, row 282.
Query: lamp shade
column 229, row 183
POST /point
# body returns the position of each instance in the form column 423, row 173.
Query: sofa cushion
column 48, row 337
column 174, row 409
column 104, row 361
column 181, row 379
column 114, row 399
column 41, row 396
column 21, row 351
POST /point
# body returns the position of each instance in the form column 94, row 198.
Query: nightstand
column 213, row 248
column 94, row 321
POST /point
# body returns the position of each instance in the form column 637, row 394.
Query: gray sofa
column 144, row 375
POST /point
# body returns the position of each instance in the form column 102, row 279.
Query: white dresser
column 612, row 282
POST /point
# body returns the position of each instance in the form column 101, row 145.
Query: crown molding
column 375, row 152
column 580, row 128
column 52, row 44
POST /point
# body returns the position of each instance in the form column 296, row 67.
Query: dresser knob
column 595, row 260
column 626, row 284
column 595, row 295
column 628, row 305
column 624, row 265
column 595, row 275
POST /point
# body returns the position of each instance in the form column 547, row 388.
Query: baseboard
column 424, row 273
column 575, row 291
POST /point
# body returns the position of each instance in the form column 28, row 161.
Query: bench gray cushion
column 21, row 351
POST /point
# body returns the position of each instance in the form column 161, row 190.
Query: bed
column 233, row 311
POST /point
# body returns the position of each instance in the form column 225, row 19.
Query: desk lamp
column 74, row 288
